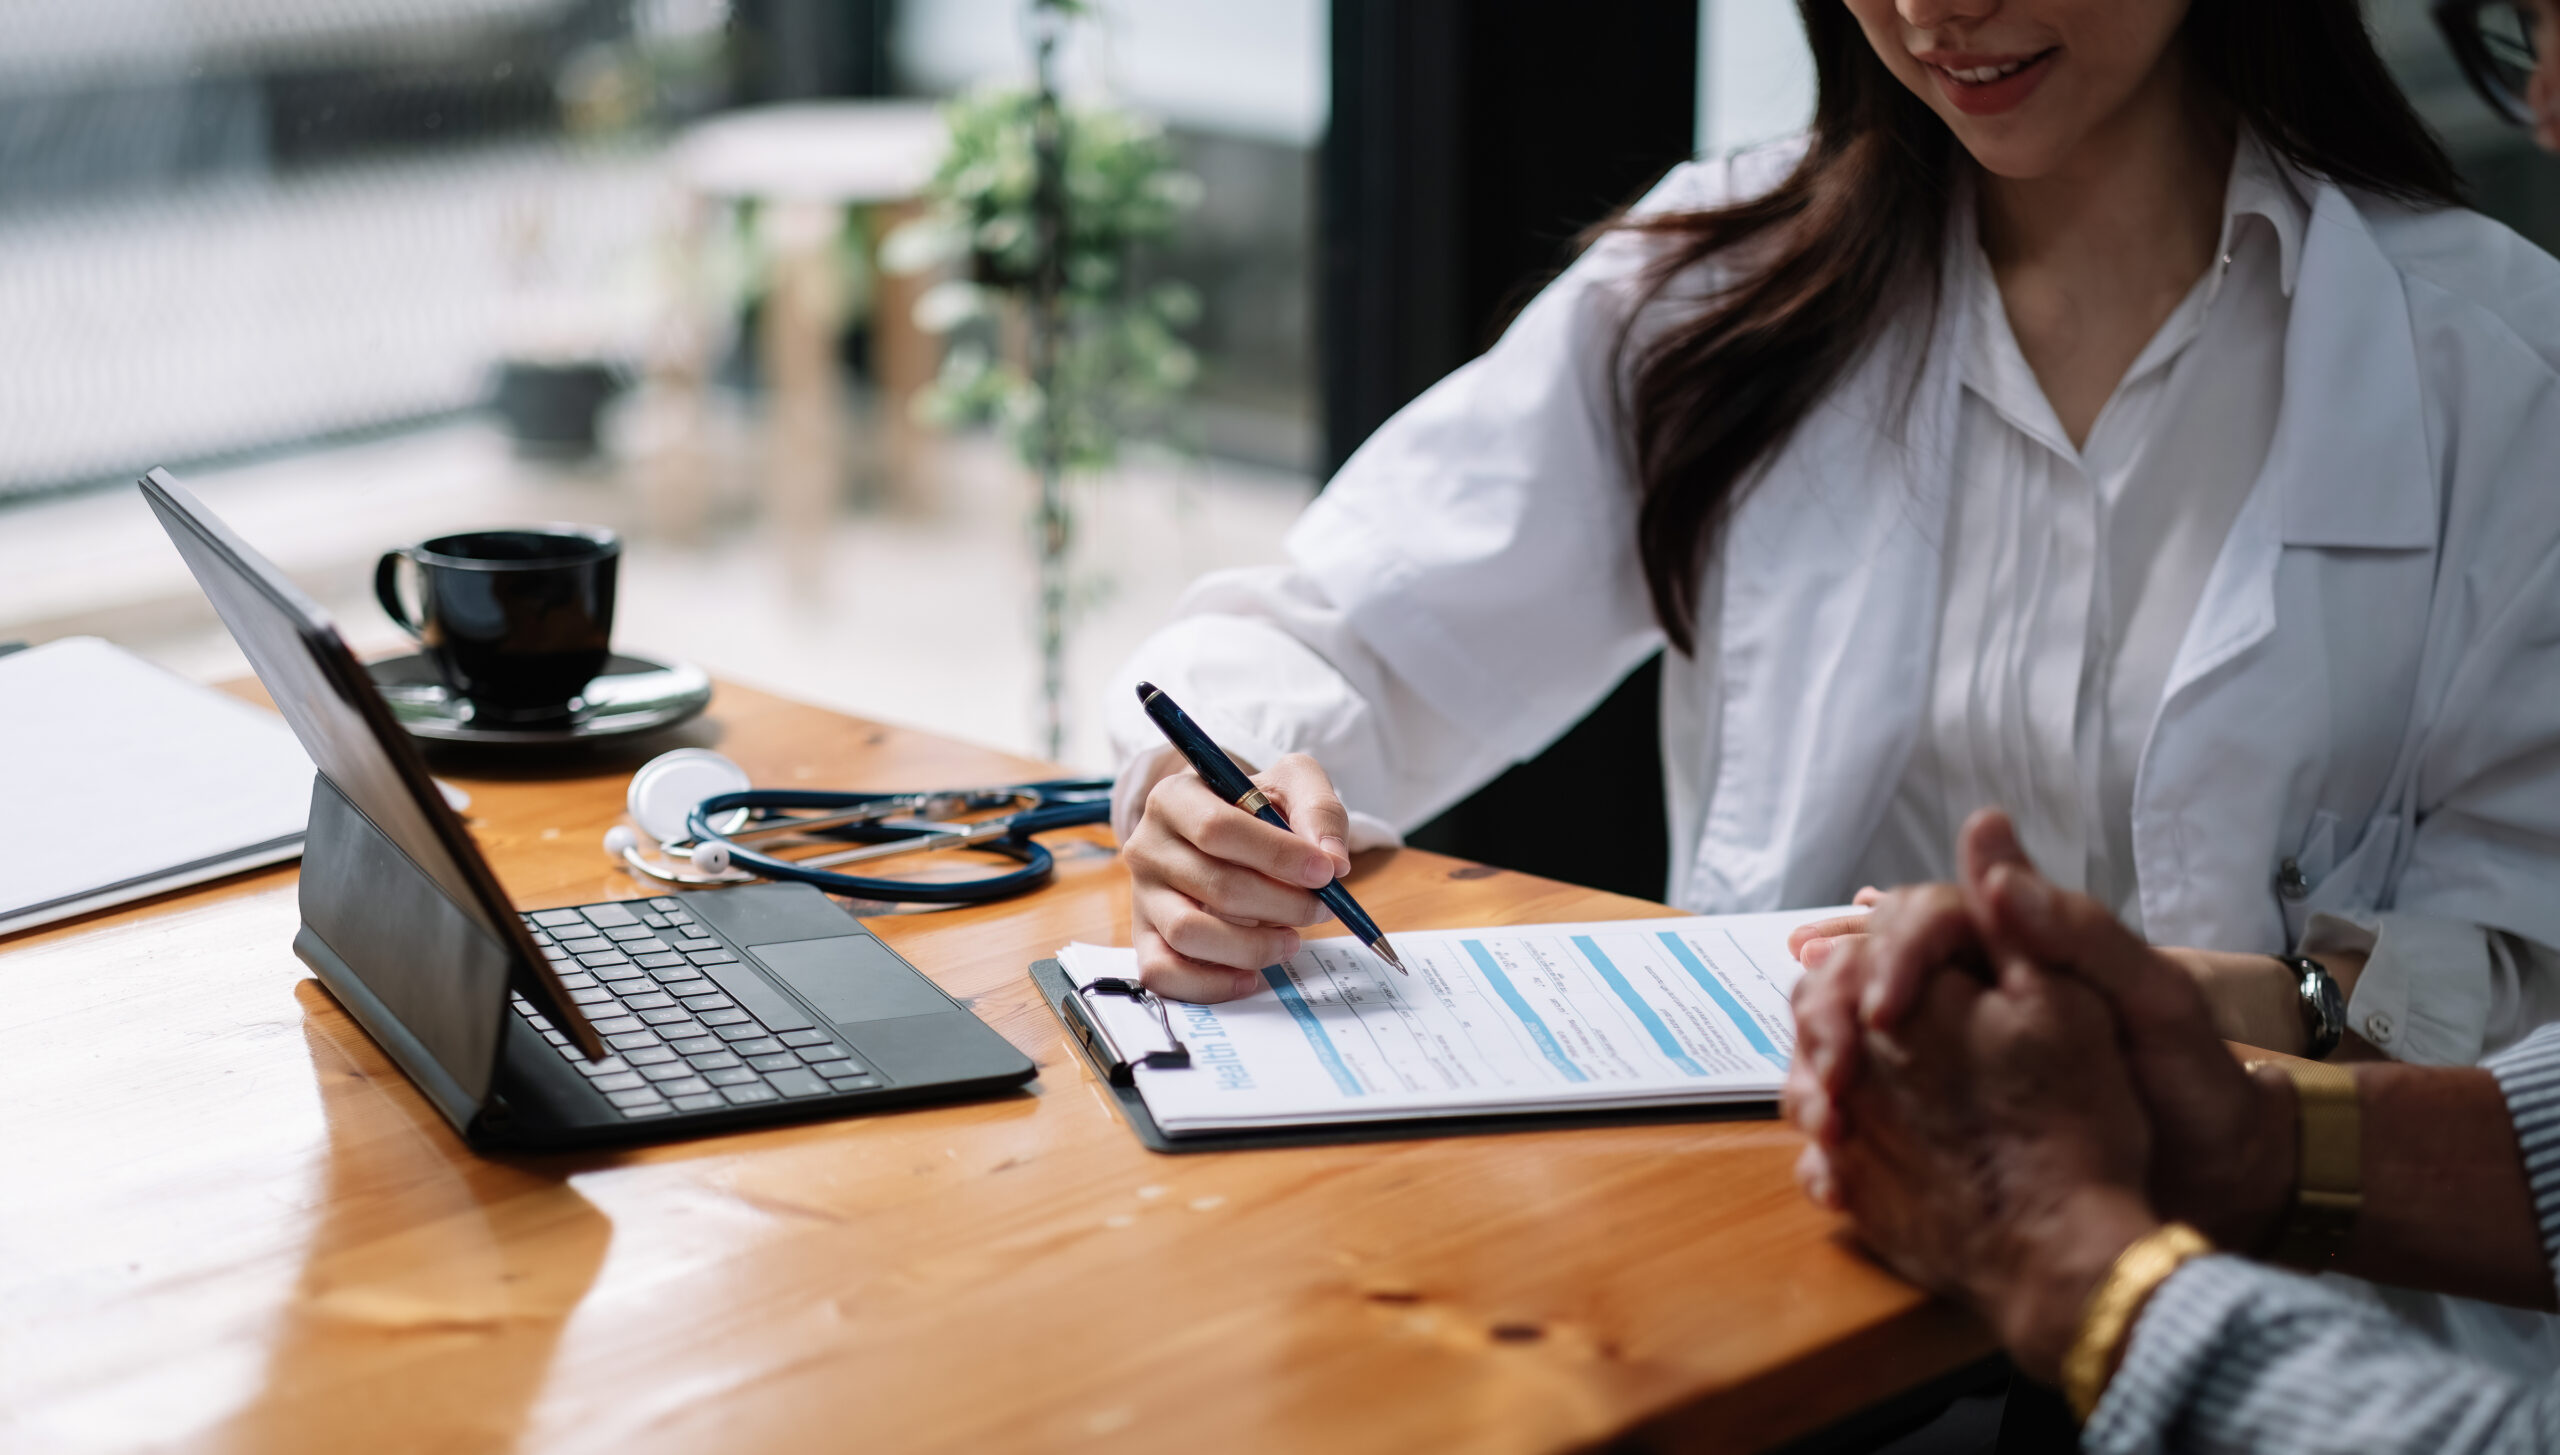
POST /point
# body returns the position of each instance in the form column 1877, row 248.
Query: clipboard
column 1112, row 1064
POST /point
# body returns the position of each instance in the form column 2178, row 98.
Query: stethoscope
column 700, row 808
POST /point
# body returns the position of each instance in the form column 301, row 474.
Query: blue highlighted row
column 1305, row 1016
column 1653, row 1025
column 1733, row 1010
column 1510, row 994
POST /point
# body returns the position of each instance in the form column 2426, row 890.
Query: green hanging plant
column 1042, row 211
column 1121, row 363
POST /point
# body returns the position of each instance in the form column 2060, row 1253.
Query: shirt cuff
column 2425, row 994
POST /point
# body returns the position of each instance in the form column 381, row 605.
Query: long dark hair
column 1855, row 233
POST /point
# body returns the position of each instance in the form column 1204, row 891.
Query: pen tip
column 1387, row 953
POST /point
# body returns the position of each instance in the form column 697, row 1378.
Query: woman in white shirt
column 2104, row 412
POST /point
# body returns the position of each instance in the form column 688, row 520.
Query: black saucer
column 634, row 695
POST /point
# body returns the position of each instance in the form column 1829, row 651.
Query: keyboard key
column 678, row 920
column 667, row 1071
column 556, row 955
column 608, row 915
column 853, row 1083
column 586, row 944
column 606, row 1067
column 577, row 980
column 605, row 964
column 539, row 1021
column 815, row 1055
column 616, row 1025
column 626, row 980
column 665, row 902
column 712, row 956
column 690, row 1086
column 555, row 1038
column 648, row 1056
column 662, row 960
column 569, row 1051
column 653, row 1109
column 803, row 1038
column 778, row 1061
column 650, row 946
column 648, row 1000
column 725, row 1017
column 797, row 1082
column 542, row 937
column 630, row 932
column 669, row 1017
column 713, row 1001
column 743, row 1031
column 687, row 989
column 641, row 1097
column 731, row 1076
column 698, row 1045
column 653, row 919
column 705, row 1102
column 760, row 1046
column 620, row 1081
column 744, row 1094
column 555, row 917
column 713, row 1061
column 633, row 1041
column 590, row 993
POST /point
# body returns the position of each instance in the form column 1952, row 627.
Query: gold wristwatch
column 2328, row 1180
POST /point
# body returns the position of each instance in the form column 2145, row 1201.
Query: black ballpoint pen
column 1227, row 781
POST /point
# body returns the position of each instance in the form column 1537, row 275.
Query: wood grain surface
column 228, row 1223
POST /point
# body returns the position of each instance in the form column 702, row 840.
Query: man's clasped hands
column 2004, row 1088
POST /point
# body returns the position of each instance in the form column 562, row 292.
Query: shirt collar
column 2261, row 186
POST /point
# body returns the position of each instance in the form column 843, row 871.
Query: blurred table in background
column 803, row 168
column 232, row 1224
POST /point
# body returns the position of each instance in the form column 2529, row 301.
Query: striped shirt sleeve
column 2528, row 1075
column 2235, row 1356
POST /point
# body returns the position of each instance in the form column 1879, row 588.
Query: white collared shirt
column 2072, row 571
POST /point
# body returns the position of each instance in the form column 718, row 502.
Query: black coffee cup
column 517, row 621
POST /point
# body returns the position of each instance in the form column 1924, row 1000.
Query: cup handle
column 386, row 590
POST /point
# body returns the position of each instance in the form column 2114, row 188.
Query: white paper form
column 1520, row 1018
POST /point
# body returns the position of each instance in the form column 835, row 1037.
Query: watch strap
column 2328, row 1182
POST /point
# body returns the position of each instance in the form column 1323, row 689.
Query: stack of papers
column 1530, row 1018
column 122, row 780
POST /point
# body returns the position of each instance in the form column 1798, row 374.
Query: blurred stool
column 804, row 166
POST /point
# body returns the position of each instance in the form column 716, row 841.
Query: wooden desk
column 229, row 1223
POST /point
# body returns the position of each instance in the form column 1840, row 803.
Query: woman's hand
column 1215, row 893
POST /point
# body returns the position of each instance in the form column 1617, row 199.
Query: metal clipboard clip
column 1105, row 1049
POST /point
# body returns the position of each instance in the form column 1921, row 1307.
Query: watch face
column 2321, row 1001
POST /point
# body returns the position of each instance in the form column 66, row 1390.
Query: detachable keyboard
column 692, row 1027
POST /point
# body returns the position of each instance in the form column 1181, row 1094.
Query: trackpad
column 852, row 978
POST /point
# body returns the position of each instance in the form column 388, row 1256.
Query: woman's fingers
column 1230, row 891
column 1304, row 793
column 1823, row 929
column 1183, row 805
column 1174, row 976
column 1195, row 932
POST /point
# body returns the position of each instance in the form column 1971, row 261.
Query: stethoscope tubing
column 851, row 816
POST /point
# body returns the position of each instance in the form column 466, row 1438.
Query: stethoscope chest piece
column 666, row 788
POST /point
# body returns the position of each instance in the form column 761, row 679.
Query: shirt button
column 2291, row 882
column 2377, row 1028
